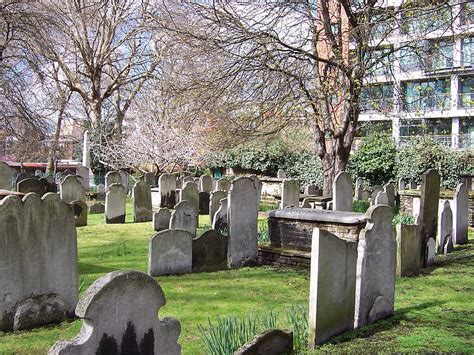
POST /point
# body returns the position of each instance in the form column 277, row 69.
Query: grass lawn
column 434, row 311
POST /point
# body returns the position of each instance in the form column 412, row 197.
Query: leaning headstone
column 389, row 191
column 401, row 185
column 167, row 188
column 290, row 193
column 445, row 226
column 161, row 219
column 214, row 202
column 124, row 178
column 142, row 209
column 428, row 216
column 6, row 176
column 271, row 341
column 311, row 189
column 97, row 208
column 408, row 249
column 150, row 178
column 190, row 193
column 71, row 189
column 223, row 185
column 376, row 267
column 332, row 286
column 38, row 261
column 115, row 201
column 381, row 198
column 184, row 217
column 460, row 214
column 209, row 252
column 22, row 176
column 220, row 222
column 112, row 177
column 205, row 183
column 342, row 192
column 32, row 185
column 120, row 316
column 170, row 252
column 80, row 213
column 375, row 190
column 281, row 174
column 242, row 219
column 204, row 200
column 430, row 251
column 84, row 173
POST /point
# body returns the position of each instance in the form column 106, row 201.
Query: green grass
column 434, row 311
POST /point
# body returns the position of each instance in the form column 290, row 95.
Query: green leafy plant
column 403, row 218
column 262, row 232
column 360, row 206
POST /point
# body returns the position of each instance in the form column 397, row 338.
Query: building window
column 427, row 95
column 411, row 57
column 468, row 52
column 377, row 98
column 411, row 128
column 467, row 13
column 379, row 61
column 466, row 91
column 439, row 55
column 364, row 128
column 422, row 19
column 466, row 132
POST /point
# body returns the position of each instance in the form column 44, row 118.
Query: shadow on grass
column 85, row 268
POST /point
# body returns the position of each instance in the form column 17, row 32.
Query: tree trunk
column 334, row 161
column 54, row 143
column 96, row 114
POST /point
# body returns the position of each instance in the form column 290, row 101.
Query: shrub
column 360, row 206
column 403, row 218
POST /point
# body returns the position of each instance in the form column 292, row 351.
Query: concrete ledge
column 309, row 214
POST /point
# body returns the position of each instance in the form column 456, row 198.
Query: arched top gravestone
column 342, row 192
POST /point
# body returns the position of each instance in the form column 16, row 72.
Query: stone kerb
column 170, row 252
column 115, row 201
column 460, row 215
column 119, row 312
column 376, row 267
column 142, row 208
column 290, row 193
column 184, row 217
column 71, row 189
column 38, row 261
column 342, row 192
column 209, row 252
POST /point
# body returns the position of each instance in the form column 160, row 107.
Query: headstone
column 101, row 192
column 49, row 184
column 184, row 217
column 281, row 174
column 84, row 173
column 428, row 216
column 389, row 190
column 358, row 188
column 161, row 219
column 112, row 177
column 259, row 186
column 22, row 176
column 204, row 200
column 6, row 176
column 167, row 188
column 32, row 185
column 376, row 267
column 223, row 184
column 190, row 193
column 187, row 179
column 445, row 226
column 38, row 261
column 124, row 178
column 401, row 185
column 220, row 222
column 332, row 286
column 97, row 208
column 311, row 189
column 430, row 251
column 120, row 316
column 306, row 202
column 86, row 153
column 115, row 201
column 80, row 213
column 205, row 183
column 408, row 249
column 375, row 190
column 381, row 198
column 460, row 215
column 342, row 192
column 210, row 252
column 170, row 252
column 71, row 189
column 290, row 193
column 271, row 341
column 242, row 220
column 214, row 202
column 365, row 195
column 150, row 178
column 142, row 209
column 412, row 185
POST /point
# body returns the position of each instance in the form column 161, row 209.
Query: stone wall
column 268, row 255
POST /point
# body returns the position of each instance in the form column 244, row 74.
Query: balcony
column 461, row 141
column 432, row 102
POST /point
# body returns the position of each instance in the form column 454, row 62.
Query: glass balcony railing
column 376, row 105
column 430, row 102
column 461, row 141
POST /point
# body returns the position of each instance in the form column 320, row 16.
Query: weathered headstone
column 115, row 201
column 389, row 190
column 460, row 215
column 22, row 176
column 358, row 189
column 71, row 189
column 259, row 187
column 170, row 252
column 412, row 185
column 271, row 341
column 342, row 192
column 204, row 200
column 6, row 176
column 209, row 252
column 205, row 183
column 242, row 219
column 376, row 267
column 290, row 193
column 401, row 185
column 408, row 249
column 214, row 202
column 120, row 316
column 112, row 177
column 445, row 226
column 38, row 261
column 381, row 198
column 223, row 184
column 311, row 189
column 190, row 193
column 150, row 178
column 281, row 174
column 142, row 209
column 428, row 216
column 375, row 190
column 124, row 178
column 220, row 222
column 101, row 192
column 167, row 187
column 97, row 208
column 86, row 150
column 184, row 217
column 80, row 213
column 161, row 219
column 332, row 286
column 84, row 173
column 32, row 185
column 430, row 251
